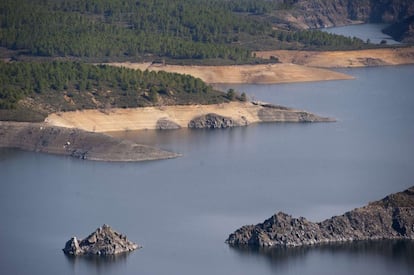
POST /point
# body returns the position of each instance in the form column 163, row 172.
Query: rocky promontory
column 40, row 137
column 104, row 241
column 389, row 218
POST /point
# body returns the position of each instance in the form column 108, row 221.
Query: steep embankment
column 342, row 59
column 39, row 137
column 172, row 117
column 402, row 30
column 389, row 218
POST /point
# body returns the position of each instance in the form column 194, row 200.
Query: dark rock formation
column 104, row 241
column 166, row 124
column 214, row 121
column 402, row 31
column 76, row 143
column 320, row 13
column 275, row 113
column 389, row 218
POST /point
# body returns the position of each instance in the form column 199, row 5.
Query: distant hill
column 225, row 31
column 320, row 13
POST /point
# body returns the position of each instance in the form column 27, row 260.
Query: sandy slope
column 149, row 117
column 296, row 66
column 146, row 118
column 341, row 59
column 254, row 74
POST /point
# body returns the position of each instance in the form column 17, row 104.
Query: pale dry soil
column 118, row 119
column 295, row 66
column 241, row 74
column 344, row 59
column 149, row 118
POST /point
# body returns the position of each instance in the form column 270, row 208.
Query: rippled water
column 182, row 210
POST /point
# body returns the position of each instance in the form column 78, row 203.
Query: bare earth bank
column 344, row 59
column 183, row 116
column 295, row 66
column 39, row 137
column 239, row 74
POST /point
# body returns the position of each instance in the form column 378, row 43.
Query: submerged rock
column 104, row 241
column 389, row 218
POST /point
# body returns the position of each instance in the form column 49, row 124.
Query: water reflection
column 400, row 251
column 97, row 263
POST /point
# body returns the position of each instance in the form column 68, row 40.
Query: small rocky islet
column 389, row 218
column 103, row 242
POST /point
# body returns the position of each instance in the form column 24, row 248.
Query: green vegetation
column 149, row 29
column 64, row 86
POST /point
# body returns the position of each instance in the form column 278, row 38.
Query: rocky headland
column 86, row 134
column 103, row 242
column 389, row 218
column 39, row 137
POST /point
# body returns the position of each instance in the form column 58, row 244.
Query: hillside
column 223, row 32
column 32, row 90
column 319, row 14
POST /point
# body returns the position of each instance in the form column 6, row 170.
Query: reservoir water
column 373, row 32
column 182, row 210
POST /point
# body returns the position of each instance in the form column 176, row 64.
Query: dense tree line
column 99, row 28
column 73, row 85
column 179, row 29
column 317, row 39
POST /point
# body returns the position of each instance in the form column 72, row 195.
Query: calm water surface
column 373, row 32
column 182, row 210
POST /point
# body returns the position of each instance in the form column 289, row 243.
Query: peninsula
column 389, row 218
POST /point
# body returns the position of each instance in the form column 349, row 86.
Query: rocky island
column 103, row 242
column 389, row 218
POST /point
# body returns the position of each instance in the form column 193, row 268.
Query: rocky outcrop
column 402, row 31
column 389, row 218
column 39, row 137
column 104, row 241
column 264, row 113
column 320, row 13
column 215, row 121
column 275, row 113
column 166, row 124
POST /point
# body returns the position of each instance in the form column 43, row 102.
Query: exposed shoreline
column 81, row 134
column 295, row 66
column 245, row 74
column 344, row 59
column 40, row 137
column 181, row 116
